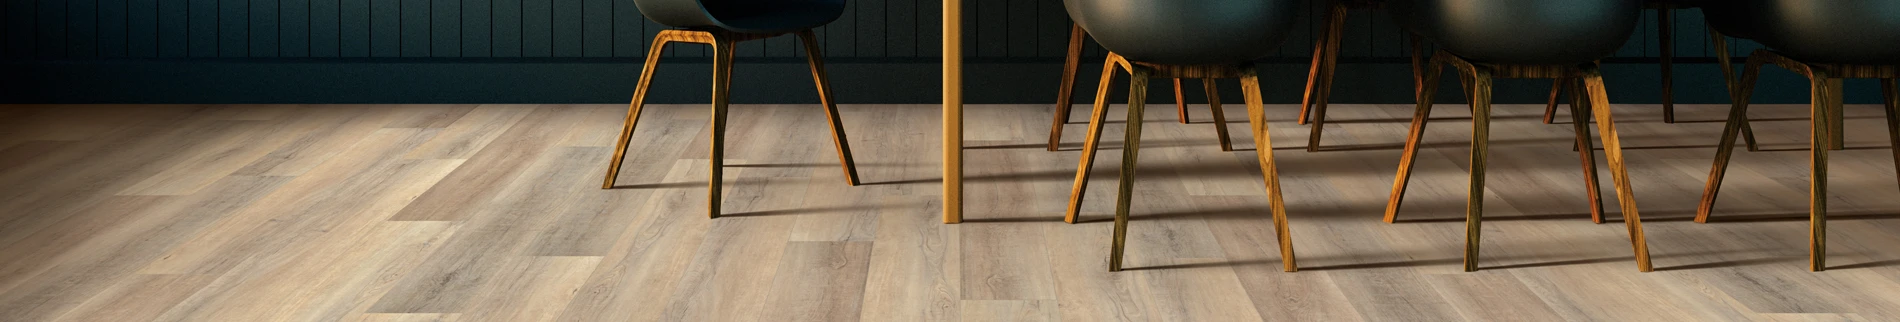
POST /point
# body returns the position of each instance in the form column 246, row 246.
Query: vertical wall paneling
column 112, row 17
column 871, row 27
column 325, row 27
column 841, row 36
column 537, row 28
column 415, row 27
column 929, row 28
column 201, row 33
column 445, row 28
column 20, row 29
column 627, row 30
column 900, row 31
column 234, row 28
column 1020, row 28
column 354, row 22
column 51, row 16
column 597, row 28
column 476, row 33
column 264, row 29
column 505, row 23
column 141, row 28
column 990, row 22
column 567, row 28
column 293, row 27
column 385, row 28
column 82, row 28
column 1052, row 29
column 172, row 37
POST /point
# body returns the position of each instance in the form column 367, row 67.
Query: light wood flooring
column 494, row 213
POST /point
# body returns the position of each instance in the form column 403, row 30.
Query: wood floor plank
column 471, row 132
column 914, row 272
column 311, row 286
column 650, row 258
column 819, row 281
column 122, row 250
column 141, row 297
column 490, row 169
column 1010, row 310
column 490, row 213
column 449, row 278
column 324, row 198
column 532, row 288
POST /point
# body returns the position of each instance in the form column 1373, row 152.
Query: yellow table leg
column 952, row 111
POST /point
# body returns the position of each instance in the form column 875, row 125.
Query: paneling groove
column 997, row 29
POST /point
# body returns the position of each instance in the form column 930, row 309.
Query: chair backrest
column 676, row 13
column 1524, row 31
column 742, row 15
column 1186, row 31
column 1828, row 31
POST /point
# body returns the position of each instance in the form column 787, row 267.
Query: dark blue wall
column 422, row 51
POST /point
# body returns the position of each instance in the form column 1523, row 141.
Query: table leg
column 952, row 111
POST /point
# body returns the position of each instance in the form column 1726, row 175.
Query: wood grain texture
column 1477, row 78
column 1827, row 128
column 324, row 242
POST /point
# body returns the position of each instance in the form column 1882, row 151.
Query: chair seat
column 1177, row 32
column 777, row 19
column 1523, row 32
column 1841, row 32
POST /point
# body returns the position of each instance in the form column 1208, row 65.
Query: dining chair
column 1180, row 39
column 723, row 24
column 1066, row 93
column 1826, row 41
column 1554, row 39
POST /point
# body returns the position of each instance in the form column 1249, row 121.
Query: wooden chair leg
column 1836, row 114
column 1131, row 148
column 1325, row 55
column 1263, row 147
column 1579, row 107
column 1418, row 63
column 1180, row 102
column 1556, row 90
column 1728, row 79
column 1737, row 122
column 1220, row 117
column 633, row 109
column 1066, row 91
column 1422, row 113
column 1890, row 89
column 814, row 56
column 722, row 85
column 1092, row 142
column 1665, row 40
column 1480, row 144
column 1323, row 92
column 1820, row 116
column 1613, row 154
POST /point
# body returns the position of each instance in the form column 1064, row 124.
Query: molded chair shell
column 743, row 16
column 1829, row 31
column 1186, row 32
column 1524, row 31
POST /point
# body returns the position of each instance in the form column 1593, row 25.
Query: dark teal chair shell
column 1828, row 31
column 1186, row 32
column 743, row 16
column 1523, row 31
